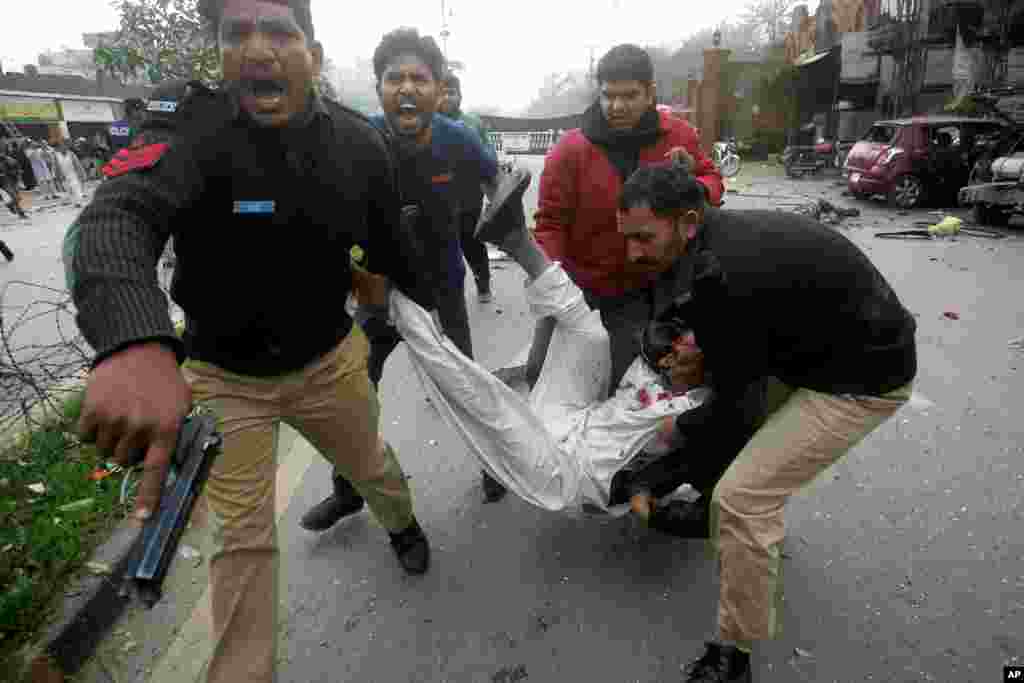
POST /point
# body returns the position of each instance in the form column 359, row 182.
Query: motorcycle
column 726, row 156
column 809, row 159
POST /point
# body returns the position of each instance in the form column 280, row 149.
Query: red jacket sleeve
column 556, row 207
column 704, row 169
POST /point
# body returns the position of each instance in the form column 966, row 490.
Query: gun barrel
column 198, row 445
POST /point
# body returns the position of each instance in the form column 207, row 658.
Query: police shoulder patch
column 138, row 158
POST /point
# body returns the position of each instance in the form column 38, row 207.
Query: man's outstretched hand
column 135, row 402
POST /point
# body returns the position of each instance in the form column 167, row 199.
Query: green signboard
column 28, row 110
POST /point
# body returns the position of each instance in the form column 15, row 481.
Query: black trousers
column 474, row 249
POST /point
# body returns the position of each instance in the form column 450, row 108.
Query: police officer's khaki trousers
column 333, row 405
column 805, row 432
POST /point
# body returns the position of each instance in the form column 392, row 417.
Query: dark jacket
column 263, row 221
column 779, row 295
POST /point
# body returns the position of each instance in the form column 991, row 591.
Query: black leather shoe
column 682, row 519
column 412, row 548
column 494, row 490
column 505, row 214
column 720, row 664
column 343, row 502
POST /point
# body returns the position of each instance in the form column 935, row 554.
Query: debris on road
column 950, row 225
column 826, row 212
column 802, row 653
column 951, row 315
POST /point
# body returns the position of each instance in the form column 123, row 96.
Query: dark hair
column 408, row 41
column 625, row 63
column 667, row 188
column 452, row 82
column 211, row 11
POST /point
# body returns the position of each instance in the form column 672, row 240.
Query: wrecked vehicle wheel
column 907, row 192
column 990, row 215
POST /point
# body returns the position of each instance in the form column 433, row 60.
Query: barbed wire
column 43, row 356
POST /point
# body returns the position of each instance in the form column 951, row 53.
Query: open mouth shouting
column 263, row 95
column 410, row 118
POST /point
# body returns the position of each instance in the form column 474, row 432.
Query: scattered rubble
column 826, row 212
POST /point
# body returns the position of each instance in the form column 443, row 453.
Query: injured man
column 560, row 444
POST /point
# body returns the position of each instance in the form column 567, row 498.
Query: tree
column 767, row 17
column 563, row 94
column 160, row 39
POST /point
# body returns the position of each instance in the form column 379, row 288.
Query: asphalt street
column 904, row 562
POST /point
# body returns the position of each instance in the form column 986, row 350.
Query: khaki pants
column 805, row 432
column 333, row 405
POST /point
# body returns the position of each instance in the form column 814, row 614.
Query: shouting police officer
column 263, row 158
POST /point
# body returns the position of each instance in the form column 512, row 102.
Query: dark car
column 911, row 160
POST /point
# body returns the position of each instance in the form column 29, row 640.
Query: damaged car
column 995, row 202
column 914, row 159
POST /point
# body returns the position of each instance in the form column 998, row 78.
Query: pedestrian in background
column 71, row 171
column 470, row 197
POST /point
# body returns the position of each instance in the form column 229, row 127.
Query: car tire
column 907, row 192
column 987, row 215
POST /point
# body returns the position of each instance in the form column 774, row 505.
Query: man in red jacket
column 579, row 192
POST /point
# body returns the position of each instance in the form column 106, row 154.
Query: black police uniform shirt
column 263, row 220
column 431, row 178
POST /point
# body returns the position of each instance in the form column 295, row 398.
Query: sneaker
column 720, row 664
column 412, row 548
column 682, row 519
column 484, row 296
column 494, row 490
column 345, row 501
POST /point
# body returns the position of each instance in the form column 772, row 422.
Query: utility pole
column 444, row 28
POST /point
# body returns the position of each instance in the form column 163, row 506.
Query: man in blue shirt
column 436, row 157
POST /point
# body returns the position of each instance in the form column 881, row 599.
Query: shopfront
column 86, row 118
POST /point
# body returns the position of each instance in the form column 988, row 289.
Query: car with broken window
column 913, row 160
column 996, row 201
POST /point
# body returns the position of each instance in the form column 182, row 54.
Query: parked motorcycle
column 725, row 154
column 799, row 160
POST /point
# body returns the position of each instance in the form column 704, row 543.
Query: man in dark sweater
column 775, row 297
column 264, row 158
column 760, row 299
